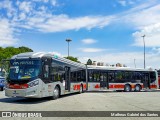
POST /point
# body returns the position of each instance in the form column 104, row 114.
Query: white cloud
column 11, row 11
column 54, row 2
column 6, row 34
column 130, row 2
column 126, row 2
column 88, row 41
column 25, row 6
column 22, row 16
column 45, row 1
column 92, row 50
column 152, row 38
column 59, row 23
column 157, row 50
column 146, row 22
column 143, row 17
column 122, row 2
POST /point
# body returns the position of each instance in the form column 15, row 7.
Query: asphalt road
column 89, row 101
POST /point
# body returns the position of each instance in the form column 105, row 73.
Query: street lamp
column 68, row 40
column 135, row 63
column 144, row 51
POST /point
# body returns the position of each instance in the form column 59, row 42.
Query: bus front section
column 23, row 78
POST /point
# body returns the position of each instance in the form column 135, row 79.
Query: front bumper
column 28, row 93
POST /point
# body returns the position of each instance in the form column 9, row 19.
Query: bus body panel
column 44, row 90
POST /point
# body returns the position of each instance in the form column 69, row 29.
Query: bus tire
column 81, row 89
column 127, row 88
column 137, row 88
column 56, row 93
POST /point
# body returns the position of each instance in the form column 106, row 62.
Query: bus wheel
column 127, row 88
column 56, row 93
column 81, row 89
column 137, row 88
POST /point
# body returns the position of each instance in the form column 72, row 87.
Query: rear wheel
column 127, row 88
column 56, row 93
column 137, row 88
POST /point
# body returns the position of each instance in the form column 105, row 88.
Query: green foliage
column 8, row 52
column 89, row 62
column 72, row 58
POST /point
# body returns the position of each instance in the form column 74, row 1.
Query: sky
column 108, row 31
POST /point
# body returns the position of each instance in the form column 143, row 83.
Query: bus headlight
column 34, row 83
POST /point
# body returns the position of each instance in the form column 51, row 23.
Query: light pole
column 135, row 63
column 68, row 40
column 144, row 51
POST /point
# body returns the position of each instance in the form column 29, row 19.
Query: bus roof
column 117, row 68
column 55, row 57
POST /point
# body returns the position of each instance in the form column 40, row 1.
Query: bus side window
column 153, row 77
column 138, row 77
column 74, row 76
column 57, row 72
column 111, row 77
column 90, row 76
column 46, row 71
column 98, row 76
column 83, row 75
column 129, row 77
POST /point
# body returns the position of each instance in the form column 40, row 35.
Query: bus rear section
column 121, row 79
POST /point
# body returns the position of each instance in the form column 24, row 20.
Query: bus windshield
column 2, row 74
column 24, row 69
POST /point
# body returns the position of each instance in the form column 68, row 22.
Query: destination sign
column 28, row 62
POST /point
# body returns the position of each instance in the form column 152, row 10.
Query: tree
column 8, row 52
column 75, row 59
column 25, row 49
column 89, row 62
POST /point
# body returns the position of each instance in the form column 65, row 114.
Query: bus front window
column 24, row 69
column 2, row 74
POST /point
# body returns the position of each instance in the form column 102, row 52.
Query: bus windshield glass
column 24, row 69
column 2, row 74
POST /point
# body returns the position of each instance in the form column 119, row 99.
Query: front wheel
column 56, row 93
column 127, row 88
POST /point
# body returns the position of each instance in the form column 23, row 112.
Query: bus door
column 67, row 78
column 146, row 80
column 104, row 80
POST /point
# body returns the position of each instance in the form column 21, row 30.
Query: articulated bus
column 37, row 75
column 121, row 78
